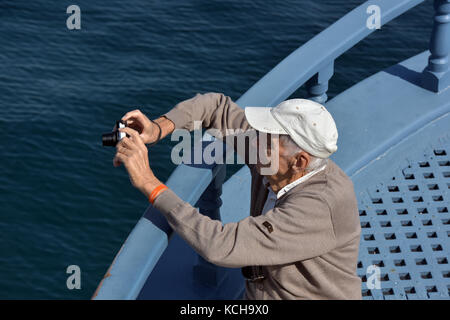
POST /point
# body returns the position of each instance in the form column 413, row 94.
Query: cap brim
column 261, row 119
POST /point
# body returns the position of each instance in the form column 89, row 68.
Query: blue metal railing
column 313, row 64
column 436, row 77
column 316, row 56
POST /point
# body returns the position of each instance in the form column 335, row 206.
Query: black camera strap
column 159, row 135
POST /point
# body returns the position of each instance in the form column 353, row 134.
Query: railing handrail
column 302, row 64
column 122, row 281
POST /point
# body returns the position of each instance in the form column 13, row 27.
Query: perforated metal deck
column 405, row 230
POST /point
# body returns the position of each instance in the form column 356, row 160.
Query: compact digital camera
column 111, row 139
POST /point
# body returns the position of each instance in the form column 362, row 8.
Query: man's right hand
column 148, row 131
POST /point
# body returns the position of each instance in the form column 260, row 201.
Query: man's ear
column 302, row 160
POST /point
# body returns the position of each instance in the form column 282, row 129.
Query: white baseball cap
column 308, row 123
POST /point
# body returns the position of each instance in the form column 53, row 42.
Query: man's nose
column 254, row 141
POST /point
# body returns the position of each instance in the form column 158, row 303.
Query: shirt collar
column 291, row 185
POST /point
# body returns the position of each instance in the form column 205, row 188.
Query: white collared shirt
column 272, row 197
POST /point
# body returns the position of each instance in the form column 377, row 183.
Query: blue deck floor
column 394, row 142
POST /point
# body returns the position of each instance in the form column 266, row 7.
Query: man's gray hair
column 293, row 149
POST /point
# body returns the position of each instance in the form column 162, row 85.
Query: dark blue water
column 61, row 200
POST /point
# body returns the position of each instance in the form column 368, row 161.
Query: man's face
column 272, row 156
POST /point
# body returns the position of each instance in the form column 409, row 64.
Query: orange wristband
column 156, row 192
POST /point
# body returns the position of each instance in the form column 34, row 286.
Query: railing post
column 317, row 86
column 436, row 76
column 209, row 204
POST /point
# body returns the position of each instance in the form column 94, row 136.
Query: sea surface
column 62, row 202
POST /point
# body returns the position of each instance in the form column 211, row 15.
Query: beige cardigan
column 307, row 244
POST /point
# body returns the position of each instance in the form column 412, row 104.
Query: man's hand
column 136, row 120
column 132, row 152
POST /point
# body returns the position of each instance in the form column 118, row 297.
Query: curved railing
column 313, row 64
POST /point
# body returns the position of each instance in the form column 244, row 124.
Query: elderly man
column 301, row 239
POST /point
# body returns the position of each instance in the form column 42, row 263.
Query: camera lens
column 110, row 139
